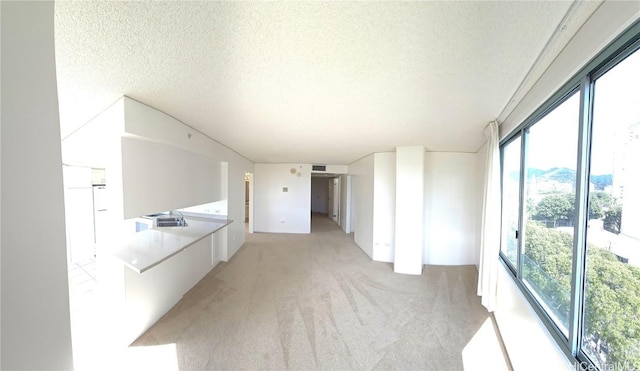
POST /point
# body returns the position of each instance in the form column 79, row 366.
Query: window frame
column 583, row 83
column 508, row 263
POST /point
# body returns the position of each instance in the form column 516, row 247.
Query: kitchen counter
column 146, row 249
column 145, row 274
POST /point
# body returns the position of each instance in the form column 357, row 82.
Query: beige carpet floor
column 318, row 302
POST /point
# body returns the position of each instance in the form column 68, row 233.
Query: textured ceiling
column 305, row 82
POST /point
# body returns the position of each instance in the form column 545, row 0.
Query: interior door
column 330, row 198
column 335, row 215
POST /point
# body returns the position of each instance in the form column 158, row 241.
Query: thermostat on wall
column 285, row 189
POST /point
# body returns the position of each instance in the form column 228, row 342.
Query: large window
column 571, row 210
column 612, row 302
column 550, row 205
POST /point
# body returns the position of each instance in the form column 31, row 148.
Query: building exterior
column 630, row 194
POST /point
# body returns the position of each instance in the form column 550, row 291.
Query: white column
column 409, row 210
column 36, row 330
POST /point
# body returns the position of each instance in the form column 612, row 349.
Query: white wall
column 218, row 208
column 319, row 195
column 345, row 201
column 362, row 172
column 452, row 198
column 151, row 122
column 522, row 331
column 451, row 208
column 275, row 210
column 36, row 332
column 97, row 142
column 384, row 206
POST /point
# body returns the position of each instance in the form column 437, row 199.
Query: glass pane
column 611, row 334
column 550, row 205
column 510, row 199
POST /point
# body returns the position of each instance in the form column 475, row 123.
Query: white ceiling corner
column 575, row 17
column 306, row 82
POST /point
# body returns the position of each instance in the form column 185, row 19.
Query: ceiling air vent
column 318, row 167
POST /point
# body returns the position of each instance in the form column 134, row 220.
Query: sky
column 553, row 140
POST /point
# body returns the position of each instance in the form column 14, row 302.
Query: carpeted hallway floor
column 318, row 302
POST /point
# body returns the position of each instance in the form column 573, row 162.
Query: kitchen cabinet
column 157, row 177
column 151, row 161
column 149, row 295
column 217, row 247
column 148, row 273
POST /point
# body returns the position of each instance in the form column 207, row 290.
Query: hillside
column 564, row 175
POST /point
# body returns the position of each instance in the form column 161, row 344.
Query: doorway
column 248, row 202
column 328, row 197
column 331, row 198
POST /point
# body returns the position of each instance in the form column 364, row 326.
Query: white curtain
column 490, row 234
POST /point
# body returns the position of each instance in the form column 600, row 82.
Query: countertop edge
column 181, row 249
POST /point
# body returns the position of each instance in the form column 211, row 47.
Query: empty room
column 220, row 185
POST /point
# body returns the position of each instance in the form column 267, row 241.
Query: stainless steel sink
column 171, row 221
